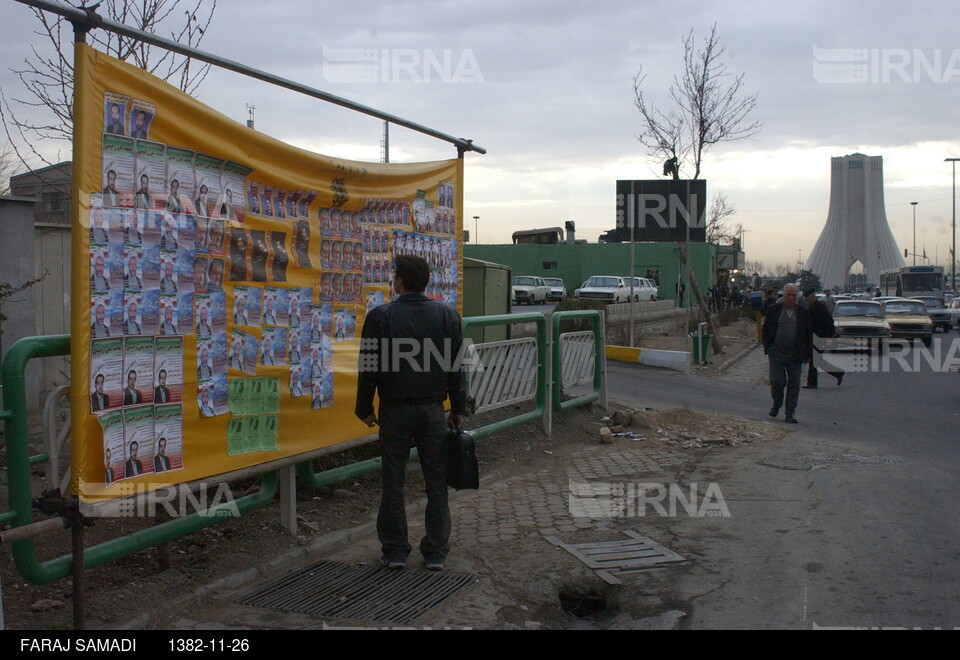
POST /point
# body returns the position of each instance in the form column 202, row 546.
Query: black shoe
column 433, row 564
column 790, row 419
column 774, row 411
column 809, row 387
column 393, row 564
column 839, row 378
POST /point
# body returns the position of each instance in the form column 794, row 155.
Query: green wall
column 575, row 263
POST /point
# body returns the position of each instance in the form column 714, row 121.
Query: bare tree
column 707, row 106
column 44, row 113
column 720, row 228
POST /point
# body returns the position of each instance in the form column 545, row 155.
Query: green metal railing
column 599, row 368
column 541, row 411
column 18, row 478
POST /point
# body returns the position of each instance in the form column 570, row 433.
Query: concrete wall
column 575, row 263
column 17, row 267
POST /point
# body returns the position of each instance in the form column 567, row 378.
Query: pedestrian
column 412, row 392
column 829, row 301
column 821, row 322
column 681, row 287
column 756, row 305
column 788, row 343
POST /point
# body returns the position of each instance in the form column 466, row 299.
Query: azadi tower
column 856, row 228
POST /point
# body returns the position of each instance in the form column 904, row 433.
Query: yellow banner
column 221, row 279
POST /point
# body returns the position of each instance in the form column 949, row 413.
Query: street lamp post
column 953, row 249
column 914, row 205
column 476, row 233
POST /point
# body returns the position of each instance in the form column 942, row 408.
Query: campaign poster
column 168, row 431
column 296, row 379
column 137, row 370
column 248, row 304
column 251, row 351
column 118, row 166
column 169, row 279
column 115, row 113
column 168, row 370
column 279, row 205
column 233, row 201
column 184, row 313
column 301, row 243
column 100, row 324
column 151, row 171
column 205, row 399
column 185, row 265
column 116, row 312
column 237, row 339
column 186, row 225
column 112, row 424
column 259, row 254
column 133, row 313
column 169, row 324
column 292, row 200
column 238, row 397
column 150, row 312
column 204, row 315
column 206, row 170
column 269, row 435
column 305, row 202
column 180, row 180
column 220, row 394
column 237, row 436
column 271, row 302
column 150, row 267
column 106, row 368
column 266, row 201
column 253, row 198
column 99, row 227
column 141, row 118
column 273, row 346
column 239, row 254
column 205, row 366
column 344, row 323
column 138, row 443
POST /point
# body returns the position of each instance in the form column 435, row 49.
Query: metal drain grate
column 359, row 593
column 609, row 558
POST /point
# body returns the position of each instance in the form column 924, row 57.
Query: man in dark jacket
column 821, row 322
column 409, row 356
column 788, row 343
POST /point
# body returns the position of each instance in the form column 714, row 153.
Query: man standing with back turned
column 408, row 335
column 788, row 343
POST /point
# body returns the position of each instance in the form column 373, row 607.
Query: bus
column 910, row 281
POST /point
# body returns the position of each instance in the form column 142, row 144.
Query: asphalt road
column 852, row 521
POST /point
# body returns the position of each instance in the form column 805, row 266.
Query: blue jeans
column 403, row 426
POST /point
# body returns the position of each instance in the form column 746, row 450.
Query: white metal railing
column 56, row 434
column 505, row 373
column 577, row 357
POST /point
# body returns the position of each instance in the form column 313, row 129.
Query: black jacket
column 804, row 331
column 410, row 322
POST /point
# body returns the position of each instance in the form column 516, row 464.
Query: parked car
column 558, row 290
column 908, row 319
column 856, row 321
column 608, row 288
column 938, row 312
column 954, row 309
column 530, row 289
column 643, row 289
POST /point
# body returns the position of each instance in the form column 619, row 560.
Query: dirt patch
column 135, row 585
column 735, row 338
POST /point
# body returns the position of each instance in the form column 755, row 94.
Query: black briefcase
column 463, row 473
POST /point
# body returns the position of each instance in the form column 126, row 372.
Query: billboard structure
column 228, row 278
column 660, row 211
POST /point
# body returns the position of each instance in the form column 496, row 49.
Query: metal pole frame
column 599, row 368
column 86, row 20
column 542, row 411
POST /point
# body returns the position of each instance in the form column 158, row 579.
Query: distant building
column 856, row 227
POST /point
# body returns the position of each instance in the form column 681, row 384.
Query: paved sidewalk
column 499, row 536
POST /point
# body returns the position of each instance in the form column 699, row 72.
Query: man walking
column 412, row 391
column 821, row 322
column 788, row 343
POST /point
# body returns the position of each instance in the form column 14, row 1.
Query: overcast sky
column 546, row 88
